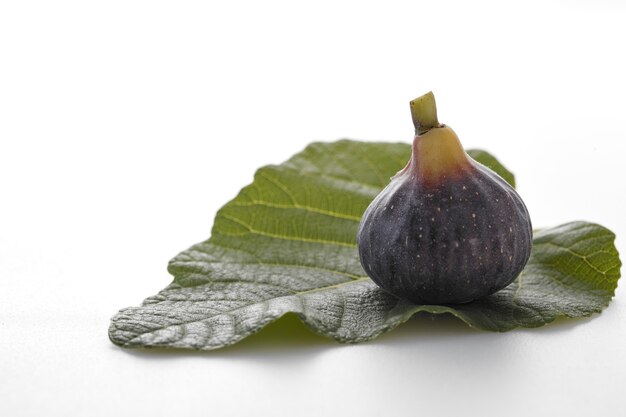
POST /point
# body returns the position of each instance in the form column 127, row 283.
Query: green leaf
column 286, row 244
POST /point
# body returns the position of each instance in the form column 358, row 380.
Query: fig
column 446, row 229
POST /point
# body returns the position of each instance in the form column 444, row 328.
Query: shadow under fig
column 442, row 326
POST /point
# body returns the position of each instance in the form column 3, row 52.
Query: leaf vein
column 283, row 237
column 299, row 207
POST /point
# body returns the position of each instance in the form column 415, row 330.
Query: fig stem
column 424, row 113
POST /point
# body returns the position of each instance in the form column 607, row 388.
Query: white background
column 125, row 125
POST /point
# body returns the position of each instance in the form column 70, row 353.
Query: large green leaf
column 286, row 243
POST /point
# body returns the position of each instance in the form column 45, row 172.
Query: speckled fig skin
column 446, row 229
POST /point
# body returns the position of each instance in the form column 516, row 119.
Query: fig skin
column 446, row 229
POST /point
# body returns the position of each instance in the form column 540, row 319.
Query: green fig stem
column 424, row 113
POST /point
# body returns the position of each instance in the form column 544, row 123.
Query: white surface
column 125, row 125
